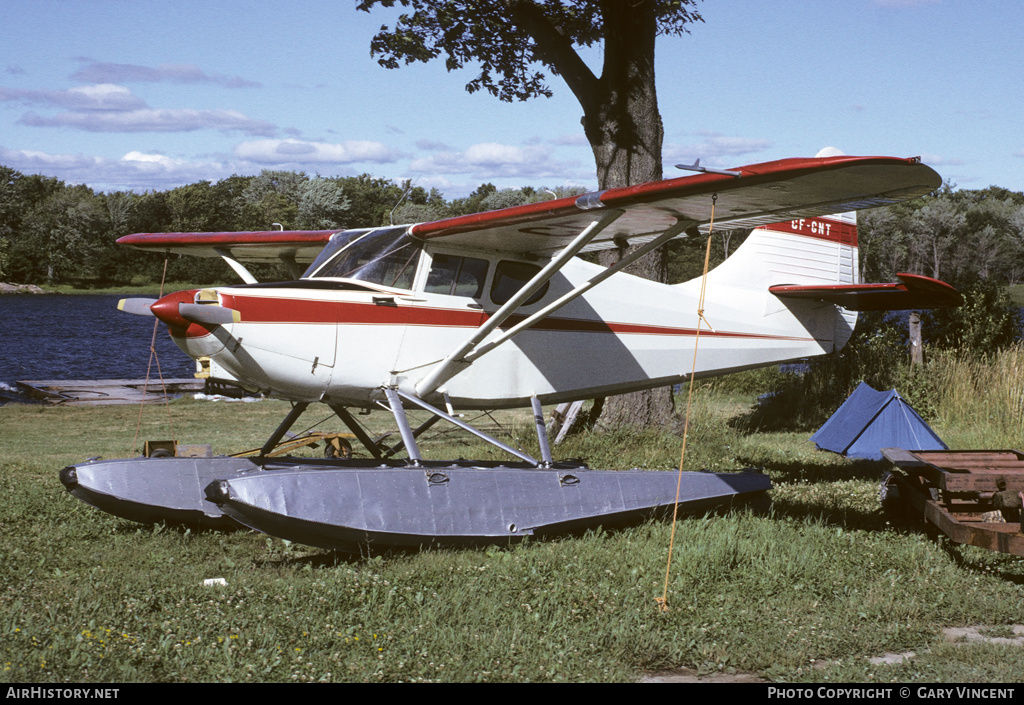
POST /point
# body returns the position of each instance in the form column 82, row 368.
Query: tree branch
column 555, row 49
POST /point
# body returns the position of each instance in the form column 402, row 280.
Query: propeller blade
column 140, row 307
column 208, row 314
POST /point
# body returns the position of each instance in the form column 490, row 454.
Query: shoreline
column 7, row 288
column 126, row 290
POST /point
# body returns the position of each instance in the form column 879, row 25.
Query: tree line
column 56, row 233
column 959, row 236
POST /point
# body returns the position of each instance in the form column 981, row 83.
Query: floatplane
column 496, row 310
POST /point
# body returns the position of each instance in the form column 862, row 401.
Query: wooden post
column 916, row 346
column 563, row 417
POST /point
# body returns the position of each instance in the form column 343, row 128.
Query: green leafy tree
column 11, row 200
column 193, row 208
column 293, row 200
column 508, row 197
column 11, row 206
column 936, row 228
column 20, row 196
column 371, row 200
column 514, row 42
column 987, row 322
column 322, row 205
column 417, row 205
column 5, row 257
column 65, row 233
column 474, row 202
column 272, row 197
column 884, row 242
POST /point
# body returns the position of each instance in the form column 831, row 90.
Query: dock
column 103, row 392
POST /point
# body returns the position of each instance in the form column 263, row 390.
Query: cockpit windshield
column 387, row 256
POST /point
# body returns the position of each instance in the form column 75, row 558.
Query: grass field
column 810, row 591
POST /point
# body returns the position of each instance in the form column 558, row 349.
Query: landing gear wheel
column 889, row 497
column 337, row 448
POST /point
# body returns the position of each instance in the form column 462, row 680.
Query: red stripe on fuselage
column 319, row 312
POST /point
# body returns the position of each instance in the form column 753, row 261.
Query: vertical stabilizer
column 818, row 251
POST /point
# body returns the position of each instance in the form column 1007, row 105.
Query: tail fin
column 808, row 251
column 801, row 267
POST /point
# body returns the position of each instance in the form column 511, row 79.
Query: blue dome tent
column 870, row 420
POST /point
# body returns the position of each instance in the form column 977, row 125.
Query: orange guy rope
column 663, row 600
column 149, row 365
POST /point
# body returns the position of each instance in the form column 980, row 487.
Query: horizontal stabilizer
column 911, row 292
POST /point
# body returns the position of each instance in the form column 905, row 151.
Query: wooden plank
column 976, row 482
column 963, row 470
column 1002, row 537
column 101, row 392
column 569, row 420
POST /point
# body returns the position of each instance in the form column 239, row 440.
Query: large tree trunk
column 623, row 125
column 625, row 131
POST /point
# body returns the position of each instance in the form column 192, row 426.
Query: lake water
column 51, row 336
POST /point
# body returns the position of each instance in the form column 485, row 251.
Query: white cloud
column 713, row 147
column 432, row 146
column 490, row 160
column 107, row 72
column 36, row 162
column 149, row 160
column 293, row 151
column 102, row 96
column 152, row 120
column 572, row 140
column 936, row 160
column 134, row 171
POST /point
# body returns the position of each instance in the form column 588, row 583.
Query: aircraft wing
column 763, row 193
column 911, row 292
column 258, row 246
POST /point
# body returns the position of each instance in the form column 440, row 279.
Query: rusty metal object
column 337, row 445
column 173, row 449
column 957, row 490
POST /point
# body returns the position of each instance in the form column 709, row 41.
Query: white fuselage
column 315, row 340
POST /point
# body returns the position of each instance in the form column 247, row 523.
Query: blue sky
column 122, row 94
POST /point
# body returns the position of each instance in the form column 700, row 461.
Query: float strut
column 289, row 420
column 542, row 432
column 357, row 430
column 416, row 433
column 403, row 425
column 463, row 425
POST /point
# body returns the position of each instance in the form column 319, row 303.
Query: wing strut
column 455, row 362
column 533, row 319
column 239, row 268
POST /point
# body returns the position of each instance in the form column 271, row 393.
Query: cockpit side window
column 456, row 276
column 386, row 257
column 338, row 241
column 510, row 277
